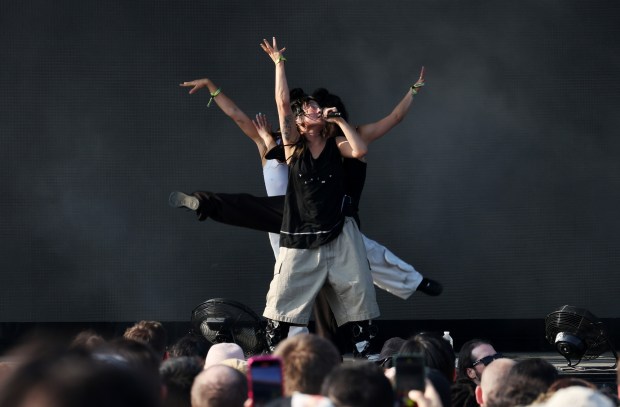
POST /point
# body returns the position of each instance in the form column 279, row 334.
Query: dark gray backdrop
column 502, row 182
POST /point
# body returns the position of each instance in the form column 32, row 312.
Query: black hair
column 178, row 374
column 437, row 352
column 360, row 384
column 297, row 105
column 326, row 99
column 465, row 358
column 190, row 345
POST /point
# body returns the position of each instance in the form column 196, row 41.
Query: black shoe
column 430, row 287
column 179, row 200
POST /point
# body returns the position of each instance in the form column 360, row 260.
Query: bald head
column 219, row 386
column 493, row 379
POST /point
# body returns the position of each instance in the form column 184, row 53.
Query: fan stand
column 573, row 367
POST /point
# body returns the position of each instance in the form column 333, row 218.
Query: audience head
column 190, row 345
column 535, row 368
column 150, row 332
column 570, row 382
column 177, row 376
column 219, row 386
column 139, row 355
column 88, row 340
column 517, row 391
column 76, row 379
column 238, row 364
column 577, row 396
column 222, row 351
column 437, row 352
column 493, row 379
column 307, row 359
column 360, row 384
column 526, row 381
column 473, row 358
column 390, row 348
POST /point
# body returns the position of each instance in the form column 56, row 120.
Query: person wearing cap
column 221, row 352
column 389, row 349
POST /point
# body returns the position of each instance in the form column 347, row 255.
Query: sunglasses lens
column 487, row 359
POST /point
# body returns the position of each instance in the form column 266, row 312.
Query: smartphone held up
column 265, row 380
column 410, row 374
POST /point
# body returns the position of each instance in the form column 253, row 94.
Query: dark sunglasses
column 487, row 359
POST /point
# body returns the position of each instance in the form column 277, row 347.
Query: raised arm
column 230, row 109
column 373, row 131
column 290, row 135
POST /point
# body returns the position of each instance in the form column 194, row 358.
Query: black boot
column 362, row 333
column 275, row 332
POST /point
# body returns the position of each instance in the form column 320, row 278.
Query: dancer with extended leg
column 385, row 261
column 265, row 213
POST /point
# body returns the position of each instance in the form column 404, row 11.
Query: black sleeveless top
column 314, row 196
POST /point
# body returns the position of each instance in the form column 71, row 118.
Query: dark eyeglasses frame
column 487, row 359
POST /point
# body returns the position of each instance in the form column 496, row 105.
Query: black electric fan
column 223, row 320
column 577, row 335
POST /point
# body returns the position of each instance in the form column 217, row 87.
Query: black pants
column 245, row 210
column 265, row 214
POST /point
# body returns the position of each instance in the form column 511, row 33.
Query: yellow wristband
column 280, row 59
column 213, row 95
column 415, row 86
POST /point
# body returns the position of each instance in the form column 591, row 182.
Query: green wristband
column 213, row 95
column 415, row 86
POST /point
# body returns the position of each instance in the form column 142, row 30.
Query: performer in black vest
column 319, row 246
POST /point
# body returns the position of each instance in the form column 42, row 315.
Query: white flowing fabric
column 389, row 272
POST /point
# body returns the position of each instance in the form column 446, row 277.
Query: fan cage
column 581, row 324
column 224, row 320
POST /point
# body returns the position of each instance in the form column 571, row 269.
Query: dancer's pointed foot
column 430, row 287
column 179, row 200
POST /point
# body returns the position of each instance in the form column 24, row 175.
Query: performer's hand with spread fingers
column 263, row 128
column 272, row 50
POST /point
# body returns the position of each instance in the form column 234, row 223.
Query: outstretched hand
column 415, row 88
column 421, row 78
column 272, row 50
column 196, row 85
column 262, row 125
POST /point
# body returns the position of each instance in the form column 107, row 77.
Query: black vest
column 314, row 197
